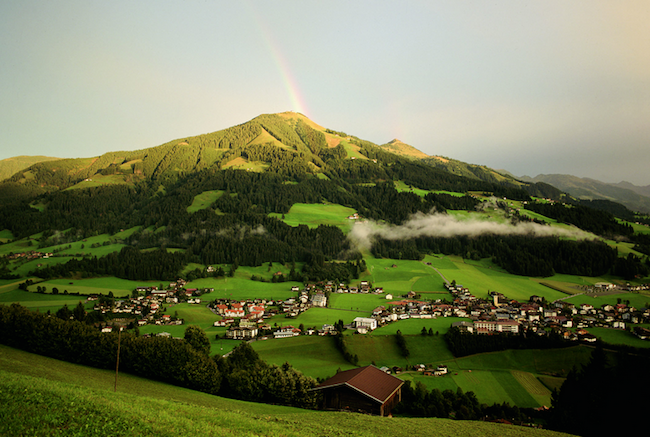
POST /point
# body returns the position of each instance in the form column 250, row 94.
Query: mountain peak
column 400, row 148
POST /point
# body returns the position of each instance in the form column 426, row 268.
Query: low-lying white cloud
column 434, row 224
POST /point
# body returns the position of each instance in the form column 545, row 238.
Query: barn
column 365, row 390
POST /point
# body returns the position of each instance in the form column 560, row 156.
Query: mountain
column 402, row 149
column 12, row 165
column 288, row 144
column 585, row 188
column 643, row 191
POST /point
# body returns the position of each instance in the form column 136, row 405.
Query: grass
column 38, row 301
column 619, row 336
column 401, row 276
column 43, row 397
column 104, row 285
column 554, row 362
column 637, row 300
column 313, row 215
column 241, row 287
column 314, row 356
column 483, row 278
column 6, row 235
column 204, row 200
column 320, row 316
column 357, row 302
column 414, row 326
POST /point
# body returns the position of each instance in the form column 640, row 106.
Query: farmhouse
column 365, row 389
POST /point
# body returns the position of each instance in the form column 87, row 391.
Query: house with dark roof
column 365, row 389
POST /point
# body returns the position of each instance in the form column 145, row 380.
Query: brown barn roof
column 368, row 380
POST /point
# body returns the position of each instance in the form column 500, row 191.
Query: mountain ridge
column 288, row 143
column 590, row 189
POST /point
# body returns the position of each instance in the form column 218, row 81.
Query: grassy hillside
column 15, row 164
column 45, row 397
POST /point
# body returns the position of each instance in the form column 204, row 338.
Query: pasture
column 5, row 236
column 480, row 279
column 104, row 285
column 204, row 200
column 314, row 356
column 241, row 287
column 315, row 214
column 414, row 326
column 317, row 317
column 619, row 336
column 401, row 276
column 357, row 301
column 39, row 302
column 499, row 386
column 555, row 362
column 401, row 187
column 637, row 300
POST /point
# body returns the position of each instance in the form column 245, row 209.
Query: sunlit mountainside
column 288, row 142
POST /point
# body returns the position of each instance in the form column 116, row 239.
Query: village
column 248, row 319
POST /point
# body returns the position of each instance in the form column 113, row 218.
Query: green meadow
column 401, row 276
column 315, row 214
column 241, row 287
column 319, row 316
column 357, row 301
column 5, row 236
column 204, row 200
column 119, row 287
column 637, row 300
column 414, row 326
column 38, row 301
column 619, row 336
column 313, row 355
column 519, row 377
column 480, row 280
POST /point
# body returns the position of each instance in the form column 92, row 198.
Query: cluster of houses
column 145, row 306
column 501, row 314
column 29, row 255
column 498, row 314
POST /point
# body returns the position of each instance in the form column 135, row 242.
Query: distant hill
column 643, row 191
column 585, row 188
column 10, row 166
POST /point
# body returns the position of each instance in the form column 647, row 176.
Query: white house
column 365, row 322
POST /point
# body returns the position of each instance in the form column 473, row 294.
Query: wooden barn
column 365, row 390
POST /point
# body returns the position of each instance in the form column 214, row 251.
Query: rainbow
column 290, row 83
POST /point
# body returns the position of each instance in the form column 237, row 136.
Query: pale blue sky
column 536, row 86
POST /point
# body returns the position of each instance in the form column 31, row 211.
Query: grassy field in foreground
column 45, row 397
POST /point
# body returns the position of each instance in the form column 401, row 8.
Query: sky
column 532, row 87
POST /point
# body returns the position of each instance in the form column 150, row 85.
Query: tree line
column 462, row 344
column 183, row 362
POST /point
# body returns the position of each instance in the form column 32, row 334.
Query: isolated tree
column 198, row 339
column 79, row 312
column 64, row 313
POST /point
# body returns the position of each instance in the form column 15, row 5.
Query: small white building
column 365, row 322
